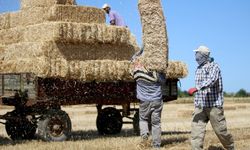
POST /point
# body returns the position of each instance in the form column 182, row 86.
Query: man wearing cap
column 208, row 101
column 115, row 18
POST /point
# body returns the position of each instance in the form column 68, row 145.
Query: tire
column 109, row 121
column 55, row 126
column 21, row 130
column 136, row 125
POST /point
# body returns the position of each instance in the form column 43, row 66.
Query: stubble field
column 176, row 122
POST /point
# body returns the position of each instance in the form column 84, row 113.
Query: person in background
column 149, row 93
column 208, row 101
column 115, row 18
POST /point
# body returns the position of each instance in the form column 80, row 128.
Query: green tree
column 182, row 93
column 241, row 93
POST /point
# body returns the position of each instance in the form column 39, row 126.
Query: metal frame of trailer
column 37, row 104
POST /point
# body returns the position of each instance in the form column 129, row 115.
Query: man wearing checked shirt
column 208, row 102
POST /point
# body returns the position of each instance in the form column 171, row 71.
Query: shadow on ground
column 8, row 141
column 215, row 148
column 93, row 134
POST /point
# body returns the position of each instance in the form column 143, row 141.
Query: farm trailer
column 37, row 104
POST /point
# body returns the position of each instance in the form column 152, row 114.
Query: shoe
column 144, row 144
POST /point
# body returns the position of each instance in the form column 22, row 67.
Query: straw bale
column 90, row 70
column 98, row 70
column 155, row 38
column 176, row 69
column 4, row 21
column 24, row 50
column 68, row 51
column 34, row 65
column 28, row 17
column 26, row 4
column 78, row 33
column 37, row 15
column 95, row 51
column 12, row 35
column 69, row 13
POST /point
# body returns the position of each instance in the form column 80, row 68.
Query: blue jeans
column 150, row 113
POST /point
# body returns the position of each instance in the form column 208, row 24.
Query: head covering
column 105, row 6
column 202, row 55
column 203, row 49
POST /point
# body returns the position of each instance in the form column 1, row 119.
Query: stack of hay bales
column 56, row 38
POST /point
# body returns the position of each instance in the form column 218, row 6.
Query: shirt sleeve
column 213, row 76
column 112, row 15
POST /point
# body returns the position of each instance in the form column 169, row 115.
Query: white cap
column 203, row 49
column 105, row 6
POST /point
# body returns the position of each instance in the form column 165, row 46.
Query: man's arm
column 112, row 18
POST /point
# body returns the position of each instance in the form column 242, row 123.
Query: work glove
column 191, row 91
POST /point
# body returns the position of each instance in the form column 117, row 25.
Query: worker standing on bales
column 115, row 18
column 208, row 101
column 149, row 92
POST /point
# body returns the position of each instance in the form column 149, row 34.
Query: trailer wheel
column 21, row 130
column 136, row 125
column 109, row 121
column 55, row 126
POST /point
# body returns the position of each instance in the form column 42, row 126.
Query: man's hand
column 191, row 91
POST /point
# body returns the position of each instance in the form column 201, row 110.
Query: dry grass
column 175, row 127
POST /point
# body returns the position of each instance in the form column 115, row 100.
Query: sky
column 221, row 25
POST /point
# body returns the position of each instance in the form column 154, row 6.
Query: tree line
column 240, row 93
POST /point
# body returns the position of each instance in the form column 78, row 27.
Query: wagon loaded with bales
column 55, row 53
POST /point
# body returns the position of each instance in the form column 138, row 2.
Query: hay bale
column 76, row 14
column 12, row 35
column 24, row 50
column 69, row 51
column 26, row 4
column 78, row 33
column 28, row 17
column 34, row 65
column 176, row 69
column 37, row 15
column 95, row 51
column 89, row 70
column 4, row 21
column 155, row 38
